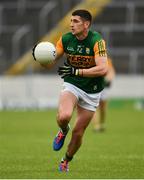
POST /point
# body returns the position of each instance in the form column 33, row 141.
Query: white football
column 44, row 52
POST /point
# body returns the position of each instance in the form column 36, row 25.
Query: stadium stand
column 122, row 25
column 6, row 44
column 33, row 18
column 24, row 22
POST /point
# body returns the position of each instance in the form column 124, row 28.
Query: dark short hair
column 86, row 15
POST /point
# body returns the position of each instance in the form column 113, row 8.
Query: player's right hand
column 67, row 70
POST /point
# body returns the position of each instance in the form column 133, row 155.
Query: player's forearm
column 94, row 71
column 100, row 69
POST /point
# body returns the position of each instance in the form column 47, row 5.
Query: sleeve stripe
column 101, row 47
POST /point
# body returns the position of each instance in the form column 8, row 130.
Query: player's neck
column 82, row 36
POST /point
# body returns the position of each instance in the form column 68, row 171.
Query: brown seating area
column 24, row 22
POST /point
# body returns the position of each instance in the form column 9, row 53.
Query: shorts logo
column 95, row 87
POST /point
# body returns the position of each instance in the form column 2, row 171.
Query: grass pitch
column 26, row 146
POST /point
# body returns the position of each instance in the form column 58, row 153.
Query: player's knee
column 63, row 117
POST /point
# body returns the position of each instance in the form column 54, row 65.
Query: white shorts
column 104, row 95
column 85, row 100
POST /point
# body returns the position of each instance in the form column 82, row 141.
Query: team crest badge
column 87, row 50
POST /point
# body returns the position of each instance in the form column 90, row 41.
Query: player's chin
column 73, row 32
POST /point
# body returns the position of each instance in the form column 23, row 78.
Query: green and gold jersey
column 82, row 54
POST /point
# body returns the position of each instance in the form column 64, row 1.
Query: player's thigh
column 84, row 117
column 67, row 102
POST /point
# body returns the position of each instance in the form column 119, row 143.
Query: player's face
column 78, row 25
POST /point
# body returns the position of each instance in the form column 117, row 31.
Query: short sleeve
column 59, row 46
column 100, row 49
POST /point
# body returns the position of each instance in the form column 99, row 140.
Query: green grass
column 26, row 146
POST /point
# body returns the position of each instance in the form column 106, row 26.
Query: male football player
column 83, row 73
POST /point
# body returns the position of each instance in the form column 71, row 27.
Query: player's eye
column 75, row 21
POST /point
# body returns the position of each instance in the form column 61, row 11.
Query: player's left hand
column 67, row 70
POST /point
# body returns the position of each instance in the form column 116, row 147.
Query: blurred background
column 24, row 23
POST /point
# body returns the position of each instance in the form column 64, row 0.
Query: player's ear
column 87, row 24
